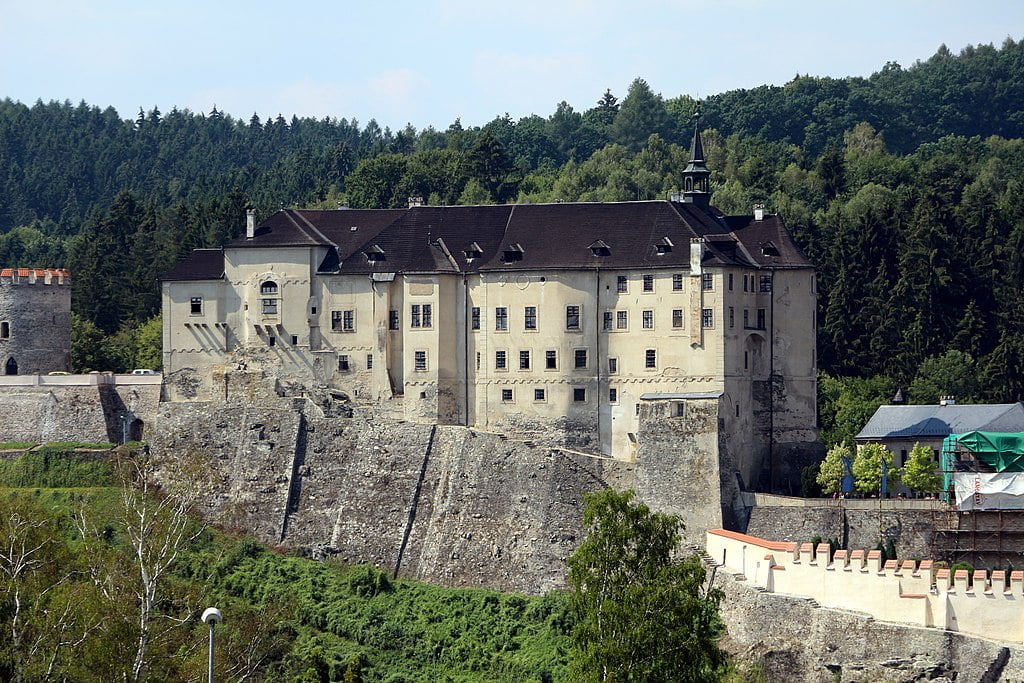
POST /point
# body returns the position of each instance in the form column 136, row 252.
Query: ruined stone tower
column 35, row 321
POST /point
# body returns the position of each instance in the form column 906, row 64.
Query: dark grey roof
column 936, row 421
column 528, row 237
column 200, row 264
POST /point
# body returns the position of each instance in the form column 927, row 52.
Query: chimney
column 947, row 400
column 758, row 212
column 415, row 201
column 250, row 223
column 696, row 255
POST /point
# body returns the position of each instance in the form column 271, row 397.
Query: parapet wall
column 985, row 605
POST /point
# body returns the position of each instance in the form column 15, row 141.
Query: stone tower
column 35, row 321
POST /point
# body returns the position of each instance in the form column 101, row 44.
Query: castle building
column 35, row 321
column 548, row 320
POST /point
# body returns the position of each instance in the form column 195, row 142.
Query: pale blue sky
column 431, row 61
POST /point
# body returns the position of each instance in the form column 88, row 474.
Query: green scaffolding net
column 994, row 451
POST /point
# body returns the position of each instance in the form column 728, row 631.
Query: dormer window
column 664, row 246
column 513, row 252
column 268, row 287
column 374, row 253
column 599, row 248
column 472, row 252
column 769, row 249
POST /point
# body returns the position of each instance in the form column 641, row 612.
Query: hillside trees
column 641, row 614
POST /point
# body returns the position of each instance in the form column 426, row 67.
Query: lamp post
column 212, row 616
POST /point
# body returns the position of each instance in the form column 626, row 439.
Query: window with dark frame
column 343, row 365
column 746, row 317
column 580, row 357
column 428, row 315
column 648, row 283
column 732, row 316
column 348, row 321
column 760, row 319
column 651, row 358
column 766, row 283
column 394, row 321
column 622, row 320
column 613, row 395
column 414, row 316
column 572, row 317
column 506, row 395
column 607, row 326
column 551, row 359
column 268, row 287
column 621, row 284
column 295, row 339
column 677, row 317
column 475, row 318
column 613, row 366
column 677, row 282
column 420, row 361
column 530, row 317
column 369, row 361
column 270, row 307
column 707, row 282
column 538, row 394
column 196, row 304
column 501, row 319
column 730, row 282
column 648, row 320
column 707, row 318
column 579, row 394
column 524, row 360
column 500, row 360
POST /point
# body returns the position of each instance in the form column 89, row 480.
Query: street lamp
column 212, row 616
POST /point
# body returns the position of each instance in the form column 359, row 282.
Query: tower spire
column 696, row 174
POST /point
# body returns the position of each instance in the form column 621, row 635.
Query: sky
column 428, row 62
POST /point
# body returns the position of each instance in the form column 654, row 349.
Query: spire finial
column 695, row 175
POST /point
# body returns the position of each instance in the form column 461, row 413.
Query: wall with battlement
column 986, row 605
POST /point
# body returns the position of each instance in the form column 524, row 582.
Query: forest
column 902, row 187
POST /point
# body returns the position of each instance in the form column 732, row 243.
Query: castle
column 551, row 320
column 35, row 321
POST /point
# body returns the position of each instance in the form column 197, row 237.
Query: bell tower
column 696, row 189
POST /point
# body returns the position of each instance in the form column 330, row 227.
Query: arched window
column 268, row 287
column 11, row 367
column 5, row 330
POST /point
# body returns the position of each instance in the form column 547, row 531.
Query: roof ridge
column 313, row 228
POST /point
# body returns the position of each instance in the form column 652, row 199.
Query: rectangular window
column 679, row 409
column 524, row 360
column 272, row 341
column 369, row 361
column 551, row 360
column 707, row 318
column 530, row 318
column 500, row 360
column 746, row 317
column 477, row 360
column 420, row 361
column 622, row 320
column 677, row 317
column 335, row 321
column 730, row 282
column 579, row 394
column 760, row 318
column 393, row 320
column 707, row 282
column 270, row 307
column 648, row 283
column 348, row 321
column 343, row 363
column 613, row 395
column 428, row 315
column 538, row 395
column 732, row 316
column 746, row 360
column 501, row 318
column 651, row 358
column 648, row 320
column 506, row 395
column 475, row 318
column 196, row 304
column 745, row 282
column 766, row 283
column 580, row 357
column 613, row 366
column 621, row 284
column 295, row 339
column 414, row 316
column 677, row 282
column 572, row 317
column 607, row 321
